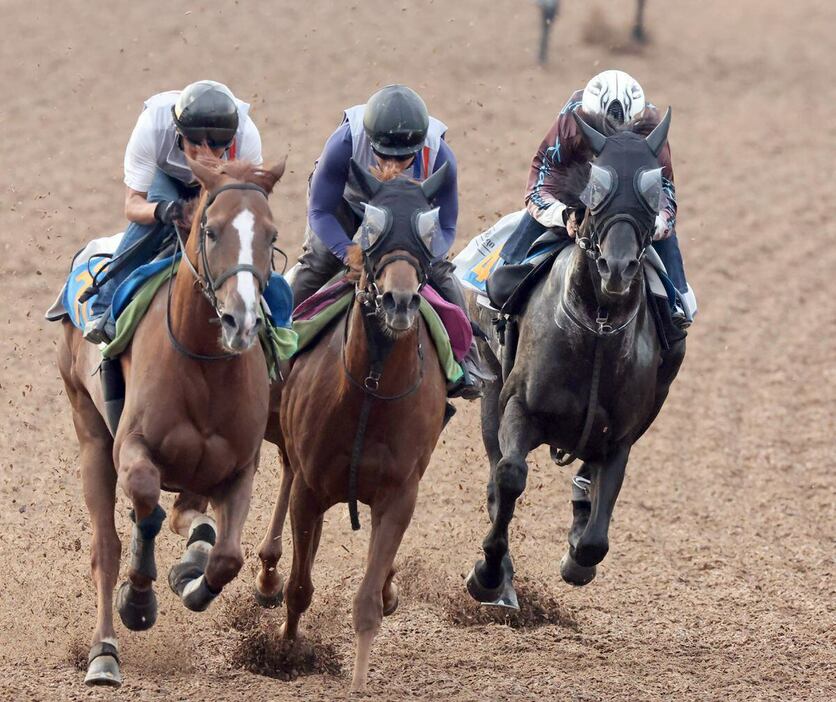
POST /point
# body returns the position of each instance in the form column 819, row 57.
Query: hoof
column 390, row 605
column 103, row 666
column 574, row 573
column 268, row 601
column 137, row 608
column 502, row 596
column 103, row 671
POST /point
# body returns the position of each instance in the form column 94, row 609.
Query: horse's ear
column 206, row 170
column 432, row 185
column 268, row 178
column 657, row 138
column 368, row 182
column 592, row 136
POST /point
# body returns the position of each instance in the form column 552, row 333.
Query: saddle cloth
column 447, row 324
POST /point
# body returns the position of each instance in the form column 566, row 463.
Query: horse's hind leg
column 306, row 524
column 140, row 479
column 571, row 571
column 199, row 578
column 269, row 582
column 187, row 508
column 390, row 518
column 592, row 545
column 490, row 580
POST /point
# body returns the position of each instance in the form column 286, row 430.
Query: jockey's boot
column 100, row 329
column 474, row 376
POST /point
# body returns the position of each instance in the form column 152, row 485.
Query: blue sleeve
column 447, row 199
column 327, row 187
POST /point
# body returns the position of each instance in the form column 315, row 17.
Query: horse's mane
column 390, row 170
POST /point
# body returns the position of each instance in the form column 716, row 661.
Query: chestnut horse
column 360, row 412
column 195, row 410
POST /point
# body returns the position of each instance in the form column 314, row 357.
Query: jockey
column 392, row 127
column 158, row 179
column 620, row 99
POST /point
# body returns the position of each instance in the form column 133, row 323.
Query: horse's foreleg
column 490, row 417
column 140, row 479
column 571, row 571
column 390, row 518
column 99, row 481
column 490, row 580
column 269, row 582
column 607, row 477
column 306, row 524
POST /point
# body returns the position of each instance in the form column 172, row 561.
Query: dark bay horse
column 590, row 374
column 376, row 371
column 196, row 406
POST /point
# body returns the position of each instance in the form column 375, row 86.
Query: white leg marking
column 244, row 222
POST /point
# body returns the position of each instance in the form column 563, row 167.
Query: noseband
column 209, row 284
column 592, row 238
column 370, row 295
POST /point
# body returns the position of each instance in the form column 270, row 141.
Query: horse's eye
column 274, row 235
column 211, row 234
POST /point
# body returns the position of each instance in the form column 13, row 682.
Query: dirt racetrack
column 720, row 580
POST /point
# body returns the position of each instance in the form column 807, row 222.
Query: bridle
column 591, row 236
column 206, row 281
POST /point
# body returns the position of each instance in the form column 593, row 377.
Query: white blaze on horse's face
column 240, row 320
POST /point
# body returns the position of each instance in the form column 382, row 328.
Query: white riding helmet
column 614, row 94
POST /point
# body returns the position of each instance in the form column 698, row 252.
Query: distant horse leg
column 638, row 28
column 269, row 582
column 140, row 479
column 99, row 482
column 607, row 477
column 187, row 507
column 306, row 524
column 570, row 571
column 390, row 518
column 490, row 580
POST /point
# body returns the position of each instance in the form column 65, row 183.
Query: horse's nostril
column 229, row 321
column 387, row 302
column 257, row 324
column 603, row 267
column 415, row 302
column 631, row 269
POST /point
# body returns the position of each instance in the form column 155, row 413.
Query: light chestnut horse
column 360, row 413
column 196, row 407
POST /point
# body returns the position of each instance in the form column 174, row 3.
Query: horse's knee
column 222, row 568
column 510, row 477
column 141, row 481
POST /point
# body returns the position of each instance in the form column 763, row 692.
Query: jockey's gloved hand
column 553, row 216
column 168, row 211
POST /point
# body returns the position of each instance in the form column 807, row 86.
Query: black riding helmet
column 206, row 111
column 396, row 121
